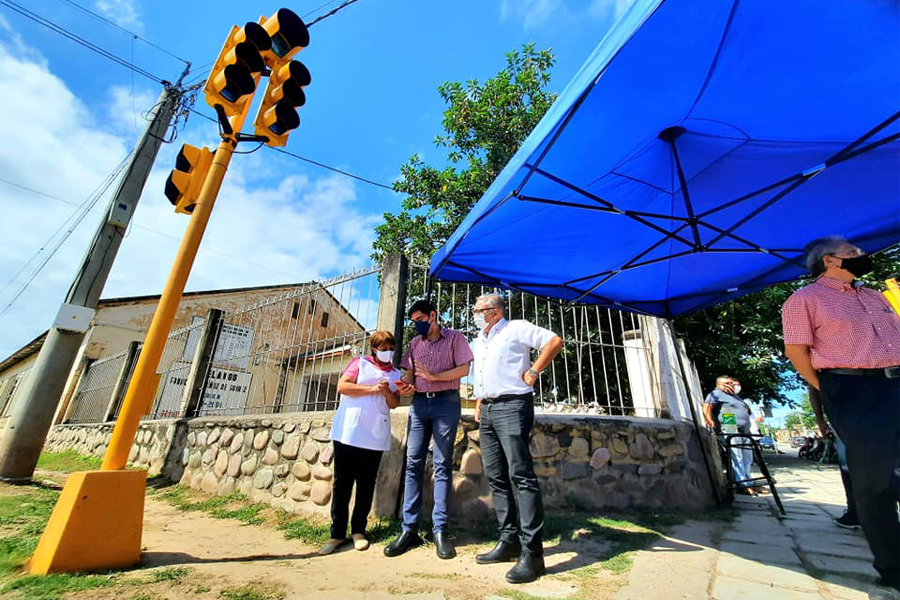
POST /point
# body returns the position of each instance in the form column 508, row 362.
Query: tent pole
column 690, row 401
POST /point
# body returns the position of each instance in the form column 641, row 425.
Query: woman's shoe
column 330, row 547
column 360, row 542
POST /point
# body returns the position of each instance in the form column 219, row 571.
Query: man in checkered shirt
column 844, row 339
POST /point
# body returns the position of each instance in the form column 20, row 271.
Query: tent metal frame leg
column 704, row 446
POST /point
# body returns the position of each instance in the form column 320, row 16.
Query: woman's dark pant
column 352, row 465
column 865, row 413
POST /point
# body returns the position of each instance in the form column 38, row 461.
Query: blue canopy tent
column 694, row 154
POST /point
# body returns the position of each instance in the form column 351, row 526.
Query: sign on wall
column 232, row 349
column 226, row 389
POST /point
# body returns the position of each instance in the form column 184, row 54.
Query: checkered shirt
column 844, row 326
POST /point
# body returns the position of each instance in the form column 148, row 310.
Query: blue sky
column 71, row 116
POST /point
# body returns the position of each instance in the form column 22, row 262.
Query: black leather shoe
column 407, row 541
column 443, row 545
column 502, row 552
column 528, row 569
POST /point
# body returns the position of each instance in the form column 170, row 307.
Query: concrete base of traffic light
column 96, row 524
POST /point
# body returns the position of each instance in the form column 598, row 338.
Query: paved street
column 802, row 556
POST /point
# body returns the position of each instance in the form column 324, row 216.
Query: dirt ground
column 217, row 556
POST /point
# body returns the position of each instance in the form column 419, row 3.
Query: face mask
column 858, row 265
column 384, row 356
column 737, row 389
column 480, row 321
column 422, row 327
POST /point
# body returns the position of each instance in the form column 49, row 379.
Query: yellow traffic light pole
column 98, row 520
column 145, row 379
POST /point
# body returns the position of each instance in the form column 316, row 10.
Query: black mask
column 858, row 265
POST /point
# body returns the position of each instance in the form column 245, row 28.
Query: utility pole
column 23, row 439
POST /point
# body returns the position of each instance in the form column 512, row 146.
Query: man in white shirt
column 503, row 380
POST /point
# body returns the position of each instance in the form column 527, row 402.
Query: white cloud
column 123, row 13
column 537, row 13
column 127, row 109
column 274, row 223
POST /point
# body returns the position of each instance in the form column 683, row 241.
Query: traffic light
column 237, row 69
column 186, row 179
column 288, row 34
column 277, row 114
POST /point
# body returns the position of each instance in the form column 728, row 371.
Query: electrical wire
column 79, row 40
column 328, row 14
column 309, row 160
column 76, row 219
column 318, row 8
column 123, row 30
column 137, row 225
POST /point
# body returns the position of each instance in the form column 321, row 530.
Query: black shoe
column 443, row 545
column 407, row 541
column 502, row 552
column 847, row 521
column 528, row 569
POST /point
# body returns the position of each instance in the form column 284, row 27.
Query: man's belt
column 440, row 394
column 889, row 372
column 507, row 398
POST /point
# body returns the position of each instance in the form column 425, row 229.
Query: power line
column 318, row 8
column 123, row 30
column 76, row 218
column 150, row 229
column 328, row 14
column 79, row 40
column 309, row 160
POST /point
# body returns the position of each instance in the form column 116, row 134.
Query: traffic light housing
column 288, row 34
column 277, row 115
column 237, row 69
column 186, row 179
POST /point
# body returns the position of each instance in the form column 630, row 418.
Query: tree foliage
column 802, row 418
column 484, row 124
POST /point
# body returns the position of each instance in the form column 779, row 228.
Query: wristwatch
column 533, row 373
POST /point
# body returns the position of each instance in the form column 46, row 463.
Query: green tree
column 743, row 338
column 484, row 124
column 802, row 418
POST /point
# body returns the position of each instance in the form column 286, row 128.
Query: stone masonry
column 286, row 460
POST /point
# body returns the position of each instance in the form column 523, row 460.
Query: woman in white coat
column 361, row 432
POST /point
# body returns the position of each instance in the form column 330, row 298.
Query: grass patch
column 52, row 587
column 145, row 596
column 170, row 574
column 248, row 514
column 22, row 520
column 519, row 595
column 68, row 461
column 251, row 592
column 305, row 529
column 433, row 575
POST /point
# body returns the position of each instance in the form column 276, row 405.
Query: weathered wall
column 286, row 460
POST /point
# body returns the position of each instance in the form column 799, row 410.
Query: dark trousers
column 865, row 413
column 505, row 425
column 352, row 465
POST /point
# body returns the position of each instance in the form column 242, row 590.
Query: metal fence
column 93, row 396
column 174, row 368
column 604, row 367
column 287, row 353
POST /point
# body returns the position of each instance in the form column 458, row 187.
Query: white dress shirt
column 504, row 355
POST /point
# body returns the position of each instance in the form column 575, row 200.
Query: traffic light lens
column 286, row 119
column 292, row 33
column 255, row 33
column 238, row 82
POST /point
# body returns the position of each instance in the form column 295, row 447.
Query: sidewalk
column 802, row 556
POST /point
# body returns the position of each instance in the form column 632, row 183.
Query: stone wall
column 286, row 460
